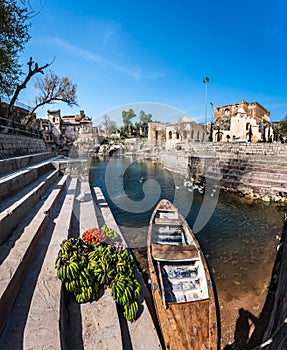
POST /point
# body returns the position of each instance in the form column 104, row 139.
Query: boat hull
column 189, row 324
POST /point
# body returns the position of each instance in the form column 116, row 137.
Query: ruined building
column 170, row 134
column 241, row 121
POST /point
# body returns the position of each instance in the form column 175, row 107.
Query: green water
column 238, row 240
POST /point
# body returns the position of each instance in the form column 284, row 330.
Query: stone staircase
column 39, row 208
column 258, row 177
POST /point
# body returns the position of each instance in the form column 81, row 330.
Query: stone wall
column 242, row 151
column 19, row 145
column 233, row 150
column 255, row 170
column 174, row 161
column 246, row 150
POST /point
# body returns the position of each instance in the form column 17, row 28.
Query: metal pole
column 211, row 105
column 211, row 123
column 205, row 81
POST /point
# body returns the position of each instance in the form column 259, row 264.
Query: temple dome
column 241, row 110
column 185, row 119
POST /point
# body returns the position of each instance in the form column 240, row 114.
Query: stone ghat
column 35, row 311
column 264, row 179
column 240, row 150
column 257, row 171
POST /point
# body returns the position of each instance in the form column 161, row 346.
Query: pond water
column 238, row 236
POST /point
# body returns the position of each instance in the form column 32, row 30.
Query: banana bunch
column 67, row 262
column 104, row 271
column 125, row 289
column 110, row 233
column 72, row 269
column 131, row 310
column 124, row 262
column 67, row 270
column 89, row 288
column 85, row 268
column 122, row 289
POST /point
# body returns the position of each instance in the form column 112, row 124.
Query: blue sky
column 153, row 55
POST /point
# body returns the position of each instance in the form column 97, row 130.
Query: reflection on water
column 239, row 240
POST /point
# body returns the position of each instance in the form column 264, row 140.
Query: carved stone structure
column 73, row 126
column 51, row 134
column 241, row 121
column 171, row 134
column 74, row 129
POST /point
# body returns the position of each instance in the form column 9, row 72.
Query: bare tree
column 105, row 122
column 54, row 89
column 109, row 124
column 33, row 69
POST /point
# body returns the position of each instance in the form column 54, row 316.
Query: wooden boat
column 182, row 289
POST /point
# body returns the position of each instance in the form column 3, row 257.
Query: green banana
column 84, row 268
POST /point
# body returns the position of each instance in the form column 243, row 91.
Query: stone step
column 100, row 326
column 275, row 167
column 243, row 158
column 259, row 178
column 141, row 334
column 270, row 164
column 44, row 327
column 14, row 209
column 13, row 182
column 11, row 164
column 35, row 321
column 16, row 253
column 256, row 172
column 35, row 310
column 252, row 183
column 13, row 145
column 38, row 209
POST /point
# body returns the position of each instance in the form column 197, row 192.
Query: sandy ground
column 239, row 312
column 239, row 318
column 245, row 311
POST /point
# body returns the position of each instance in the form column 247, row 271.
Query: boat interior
column 183, row 282
column 179, row 266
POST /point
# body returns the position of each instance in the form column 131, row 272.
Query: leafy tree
column 211, row 133
column 127, row 117
column 145, row 119
column 283, row 126
column 276, row 134
column 14, row 34
column 250, row 133
column 136, row 129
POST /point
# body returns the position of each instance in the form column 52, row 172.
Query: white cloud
column 109, row 33
column 135, row 72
